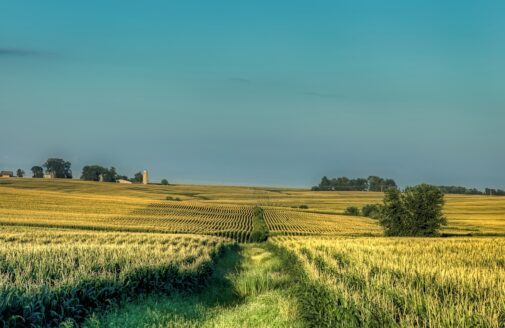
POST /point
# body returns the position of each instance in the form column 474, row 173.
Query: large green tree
column 58, row 168
column 137, row 177
column 415, row 212
column 99, row 173
column 38, row 171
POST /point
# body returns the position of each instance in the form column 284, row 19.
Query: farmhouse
column 6, row 174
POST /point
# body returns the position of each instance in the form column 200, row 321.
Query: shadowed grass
column 248, row 289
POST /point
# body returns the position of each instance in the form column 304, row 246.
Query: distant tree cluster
column 137, row 177
column 54, row 167
column 369, row 210
column 471, row 191
column 494, row 192
column 99, row 173
column 372, row 183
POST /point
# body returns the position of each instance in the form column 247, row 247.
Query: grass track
column 250, row 288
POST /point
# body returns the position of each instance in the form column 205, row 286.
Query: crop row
column 51, row 275
column 284, row 221
column 404, row 282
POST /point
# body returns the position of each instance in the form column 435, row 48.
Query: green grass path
column 250, row 288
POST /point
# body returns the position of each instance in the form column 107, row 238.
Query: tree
column 164, row 182
column 100, row 173
column 371, row 211
column 372, row 183
column 58, row 168
column 38, row 172
column 392, row 214
column 92, row 172
column 416, row 212
column 109, row 175
column 137, row 178
column 352, row 210
column 20, row 173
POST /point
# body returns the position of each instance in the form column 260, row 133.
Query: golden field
column 406, row 282
column 69, row 248
column 219, row 210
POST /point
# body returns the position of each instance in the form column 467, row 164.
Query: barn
column 6, row 174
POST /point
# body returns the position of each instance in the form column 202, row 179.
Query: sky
column 263, row 92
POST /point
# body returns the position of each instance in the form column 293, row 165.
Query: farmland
column 49, row 275
column 69, row 249
column 407, row 282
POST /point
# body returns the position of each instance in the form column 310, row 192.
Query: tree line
column 59, row 168
column 471, row 191
column 372, row 183
column 375, row 183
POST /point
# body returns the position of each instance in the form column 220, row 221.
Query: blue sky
column 257, row 92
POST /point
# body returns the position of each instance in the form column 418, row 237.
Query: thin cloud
column 16, row 52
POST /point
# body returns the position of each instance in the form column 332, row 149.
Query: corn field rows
column 294, row 222
column 122, row 213
column 50, row 275
column 405, row 282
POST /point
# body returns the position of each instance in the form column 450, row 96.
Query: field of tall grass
column 404, row 282
column 48, row 276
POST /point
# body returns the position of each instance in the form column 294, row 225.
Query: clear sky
column 257, row 92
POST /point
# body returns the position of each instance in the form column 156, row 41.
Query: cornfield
column 405, row 282
column 49, row 275
column 68, row 248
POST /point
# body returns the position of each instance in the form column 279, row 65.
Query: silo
column 145, row 178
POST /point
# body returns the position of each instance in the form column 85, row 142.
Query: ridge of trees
column 100, row 173
column 458, row 190
column 372, row 183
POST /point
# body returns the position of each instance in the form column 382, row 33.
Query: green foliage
column 137, row 177
column 249, row 288
column 99, row 173
column 371, row 211
column 352, row 210
column 372, row 183
column 164, row 182
column 73, row 274
column 58, row 168
column 416, row 212
column 471, row 191
column 259, row 231
column 37, row 171
column 20, row 173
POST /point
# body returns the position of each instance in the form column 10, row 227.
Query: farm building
column 124, row 181
column 145, row 177
column 6, row 174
